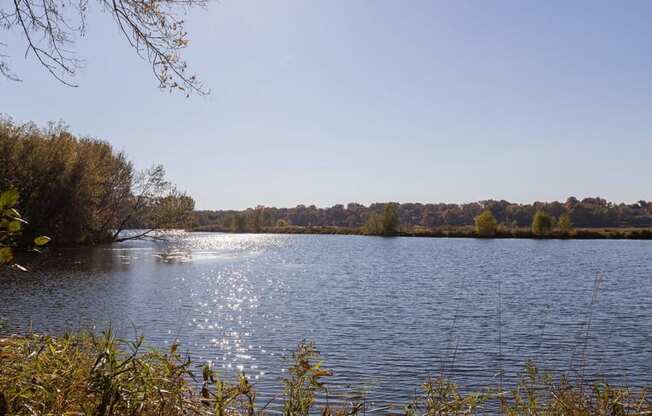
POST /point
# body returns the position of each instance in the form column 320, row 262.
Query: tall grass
column 84, row 374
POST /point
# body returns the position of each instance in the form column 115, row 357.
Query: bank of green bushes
column 83, row 374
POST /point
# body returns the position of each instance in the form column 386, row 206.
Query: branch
column 146, row 234
column 153, row 28
column 46, row 58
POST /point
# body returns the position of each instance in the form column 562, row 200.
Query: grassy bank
column 82, row 374
column 455, row 232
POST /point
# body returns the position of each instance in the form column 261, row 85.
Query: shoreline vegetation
column 458, row 232
column 87, row 374
column 595, row 218
column 80, row 190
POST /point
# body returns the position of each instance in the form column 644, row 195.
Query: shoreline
column 462, row 232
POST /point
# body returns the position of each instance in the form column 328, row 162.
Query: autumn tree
column 585, row 213
column 391, row 222
column 542, row 223
column 386, row 224
column 155, row 29
column 155, row 205
column 238, row 223
column 374, row 224
column 564, row 223
column 79, row 190
column 485, row 224
column 71, row 188
column 257, row 218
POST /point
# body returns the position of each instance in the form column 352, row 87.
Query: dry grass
column 82, row 374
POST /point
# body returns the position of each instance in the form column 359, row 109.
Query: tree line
column 81, row 190
column 586, row 213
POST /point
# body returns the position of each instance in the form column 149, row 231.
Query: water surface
column 385, row 312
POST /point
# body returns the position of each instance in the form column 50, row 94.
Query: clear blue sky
column 324, row 102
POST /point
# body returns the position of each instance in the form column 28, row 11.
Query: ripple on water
column 385, row 312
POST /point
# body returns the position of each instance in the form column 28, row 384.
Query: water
column 385, row 312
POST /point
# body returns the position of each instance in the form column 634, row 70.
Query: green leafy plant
column 564, row 223
column 542, row 224
column 11, row 226
column 387, row 224
column 486, row 224
column 442, row 397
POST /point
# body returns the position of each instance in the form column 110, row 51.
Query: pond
column 385, row 312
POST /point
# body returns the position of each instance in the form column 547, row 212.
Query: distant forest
column 585, row 213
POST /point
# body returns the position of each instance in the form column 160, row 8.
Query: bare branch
column 153, row 28
column 155, row 205
column 4, row 67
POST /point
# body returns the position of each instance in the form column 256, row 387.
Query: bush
column 485, row 224
column 282, row 223
column 542, row 223
column 11, row 225
column 82, row 374
column 386, row 224
column 565, row 223
column 87, row 375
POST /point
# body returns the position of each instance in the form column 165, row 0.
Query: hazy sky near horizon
column 325, row 102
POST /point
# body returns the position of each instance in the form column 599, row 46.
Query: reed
column 85, row 374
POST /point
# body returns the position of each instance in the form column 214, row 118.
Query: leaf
column 14, row 226
column 206, row 372
column 6, row 255
column 11, row 212
column 41, row 240
column 9, row 198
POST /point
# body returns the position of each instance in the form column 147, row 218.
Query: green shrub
column 565, row 224
column 11, row 226
column 542, row 223
column 485, row 224
column 387, row 223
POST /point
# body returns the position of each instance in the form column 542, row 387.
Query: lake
column 385, row 312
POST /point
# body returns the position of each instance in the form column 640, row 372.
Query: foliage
column 374, row 224
column 304, row 381
column 257, row 218
column 282, row 223
column 442, row 397
column 88, row 375
column 538, row 394
column 542, row 223
column 391, row 221
column 238, row 223
column 485, row 224
column 155, row 29
column 83, row 374
column 154, row 204
column 386, row 224
column 564, row 223
column 79, row 190
column 11, row 225
column 585, row 213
